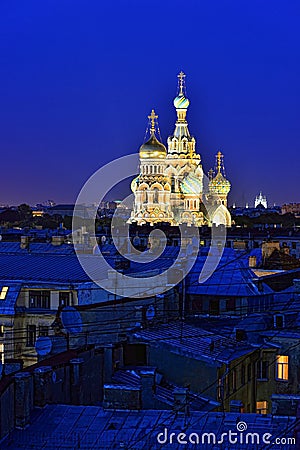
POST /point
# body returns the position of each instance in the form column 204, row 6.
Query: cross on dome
column 152, row 118
column 181, row 77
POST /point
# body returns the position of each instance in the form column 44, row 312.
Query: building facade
column 171, row 186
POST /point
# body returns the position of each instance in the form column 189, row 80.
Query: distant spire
column 211, row 174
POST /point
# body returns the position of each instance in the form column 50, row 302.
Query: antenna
column 71, row 320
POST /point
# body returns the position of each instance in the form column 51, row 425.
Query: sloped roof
column 46, row 268
column 231, row 278
column 194, row 342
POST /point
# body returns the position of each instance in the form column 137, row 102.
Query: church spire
column 181, row 103
column 181, row 142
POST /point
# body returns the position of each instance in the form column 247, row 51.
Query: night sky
column 78, row 79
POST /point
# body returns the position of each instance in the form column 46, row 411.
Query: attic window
column 3, row 292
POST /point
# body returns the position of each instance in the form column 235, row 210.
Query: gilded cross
column 181, row 77
column 219, row 160
column 152, row 117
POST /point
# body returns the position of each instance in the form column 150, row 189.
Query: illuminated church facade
column 171, row 186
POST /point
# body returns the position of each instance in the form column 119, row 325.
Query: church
column 171, row 186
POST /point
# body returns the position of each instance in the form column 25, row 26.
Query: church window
column 172, row 184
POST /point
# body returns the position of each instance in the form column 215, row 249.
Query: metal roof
column 194, row 342
column 46, row 268
column 230, row 278
column 91, row 427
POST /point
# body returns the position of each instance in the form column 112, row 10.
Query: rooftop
column 91, row 427
column 194, row 342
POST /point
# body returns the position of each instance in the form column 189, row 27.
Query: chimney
column 77, row 381
column 180, row 400
column 148, row 387
column 57, row 240
column 108, row 364
column 252, row 261
column 23, row 399
column 42, row 379
column 24, row 242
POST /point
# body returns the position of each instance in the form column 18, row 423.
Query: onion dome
column 219, row 184
column 181, row 102
column 153, row 148
column 191, row 185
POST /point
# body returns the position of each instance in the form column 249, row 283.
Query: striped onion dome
column 191, row 185
column 181, row 102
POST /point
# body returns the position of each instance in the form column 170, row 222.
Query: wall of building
column 183, row 370
column 69, row 378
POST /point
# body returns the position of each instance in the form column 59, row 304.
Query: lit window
column 2, row 353
column 3, row 292
column 261, row 407
column 282, row 368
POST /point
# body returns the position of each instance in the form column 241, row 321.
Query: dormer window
column 279, row 321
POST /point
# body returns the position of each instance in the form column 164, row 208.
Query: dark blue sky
column 78, row 79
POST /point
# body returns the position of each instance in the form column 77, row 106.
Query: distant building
column 68, row 209
column 260, row 200
column 293, row 208
column 170, row 185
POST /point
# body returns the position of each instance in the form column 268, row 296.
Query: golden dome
column 153, row 149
